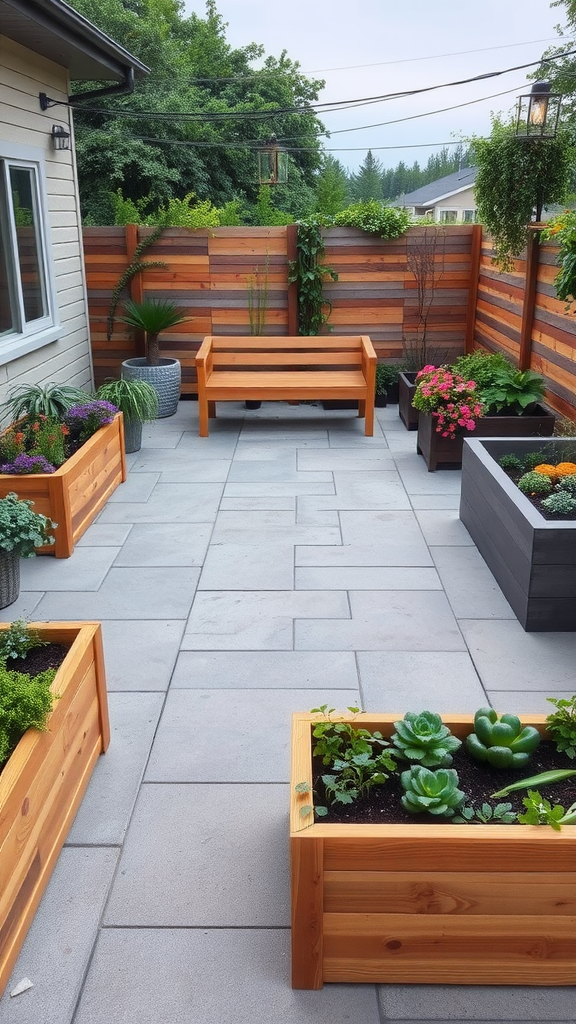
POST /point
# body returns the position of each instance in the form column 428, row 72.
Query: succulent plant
column 424, row 738
column 435, row 792
column 535, row 483
column 501, row 740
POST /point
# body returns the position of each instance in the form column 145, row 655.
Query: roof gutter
column 123, row 88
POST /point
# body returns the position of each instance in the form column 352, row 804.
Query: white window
column 448, row 216
column 27, row 299
column 469, row 216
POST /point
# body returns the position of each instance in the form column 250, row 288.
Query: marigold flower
column 546, row 470
column 566, row 469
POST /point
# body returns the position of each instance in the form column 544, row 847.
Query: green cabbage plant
column 436, row 792
column 424, row 738
column 501, row 740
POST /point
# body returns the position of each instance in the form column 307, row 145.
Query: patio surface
column 283, row 562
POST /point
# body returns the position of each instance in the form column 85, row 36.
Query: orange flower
column 566, row 469
column 64, row 430
column 19, row 437
column 546, row 470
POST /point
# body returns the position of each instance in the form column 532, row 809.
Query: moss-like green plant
column 560, row 504
column 567, row 484
column 425, row 739
column 25, row 701
column 511, row 462
column 18, row 639
column 435, row 792
column 535, row 483
column 502, row 741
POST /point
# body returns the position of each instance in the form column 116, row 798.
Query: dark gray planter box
column 532, row 559
column 406, row 391
column 439, row 452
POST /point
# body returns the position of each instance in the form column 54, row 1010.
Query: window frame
column 446, row 209
column 28, row 337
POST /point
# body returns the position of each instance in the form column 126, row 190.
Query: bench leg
column 369, row 420
column 203, row 416
column 361, row 409
column 212, row 410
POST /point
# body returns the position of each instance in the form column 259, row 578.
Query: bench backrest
column 253, row 352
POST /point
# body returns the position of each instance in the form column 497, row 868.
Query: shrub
column 451, row 399
column 480, row 367
column 25, row 702
column 568, row 484
column 513, row 390
column 511, row 462
column 21, row 529
column 560, row 504
column 534, row 483
column 374, row 217
column 562, row 724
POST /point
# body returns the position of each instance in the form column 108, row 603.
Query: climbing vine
column 136, row 266
column 309, row 273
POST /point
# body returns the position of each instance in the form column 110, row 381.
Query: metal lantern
column 272, row 163
column 538, row 113
column 60, row 137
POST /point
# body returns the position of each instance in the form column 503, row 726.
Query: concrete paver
column 283, row 562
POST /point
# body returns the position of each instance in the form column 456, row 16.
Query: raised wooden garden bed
column 75, row 493
column 427, row 904
column 406, row 391
column 44, row 781
column 441, row 451
column 532, row 559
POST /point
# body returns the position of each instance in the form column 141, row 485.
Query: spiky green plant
column 152, row 316
column 424, row 738
column 51, row 400
column 136, row 399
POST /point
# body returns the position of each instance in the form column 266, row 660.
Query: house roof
column 55, row 30
column 442, row 188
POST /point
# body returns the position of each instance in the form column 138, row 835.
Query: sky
column 366, row 48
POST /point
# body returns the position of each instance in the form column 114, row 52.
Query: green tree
column 194, row 71
column 331, row 188
column 515, row 178
column 367, row 182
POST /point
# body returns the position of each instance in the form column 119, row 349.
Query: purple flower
column 99, row 409
column 24, row 464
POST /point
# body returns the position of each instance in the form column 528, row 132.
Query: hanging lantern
column 272, row 163
column 538, row 113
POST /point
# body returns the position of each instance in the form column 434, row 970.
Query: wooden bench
column 271, row 369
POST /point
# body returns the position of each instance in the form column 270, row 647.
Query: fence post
column 291, row 254
column 529, row 304
column 475, row 257
column 136, row 285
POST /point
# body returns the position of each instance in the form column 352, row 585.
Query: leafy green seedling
column 540, row 811
column 562, row 724
column 501, row 814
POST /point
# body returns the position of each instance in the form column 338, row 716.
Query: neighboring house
column 448, row 200
column 44, row 45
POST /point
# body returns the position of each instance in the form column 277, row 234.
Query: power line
column 319, row 108
column 253, row 147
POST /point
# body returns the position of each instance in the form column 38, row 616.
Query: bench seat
column 288, row 368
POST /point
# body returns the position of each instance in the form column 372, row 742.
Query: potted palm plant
column 137, row 400
column 164, row 374
column 21, row 532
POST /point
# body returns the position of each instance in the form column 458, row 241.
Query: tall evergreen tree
column 331, row 187
column 367, row 182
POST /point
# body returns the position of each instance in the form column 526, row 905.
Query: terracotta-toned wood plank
column 307, row 913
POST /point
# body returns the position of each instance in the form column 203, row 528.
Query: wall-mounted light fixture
column 538, row 113
column 60, row 137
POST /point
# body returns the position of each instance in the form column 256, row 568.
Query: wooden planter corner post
column 75, row 493
column 427, row 904
column 44, row 780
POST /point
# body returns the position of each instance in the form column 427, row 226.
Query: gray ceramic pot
column 165, row 379
column 132, row 436
column 9, row 577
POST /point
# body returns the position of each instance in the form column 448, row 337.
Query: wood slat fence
column 209, row 274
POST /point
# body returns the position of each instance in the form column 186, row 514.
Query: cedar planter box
column 44, row 780
column 406, row 391
column 75, row 493
column 427, row 904
column 533, row 559
column 441, row 451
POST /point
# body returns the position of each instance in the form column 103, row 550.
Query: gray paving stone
column 277, row 489
column 249, row 565
column 23, row 608
column 57, row 949
column 202, row 471
column 269, row 526
column 256, row 727
column 212, row 976
column 104, row 813
column 281, row 454
column 367, row 578
column 193, row 857
column 178, row 503
column 443, row 527
column 255, row 620
column 372, row 538
column 469, row 584
column 287, row 503
column 507, row 657
column 308, row 514
column 138, row 487
column 417, row 479
column 346, row 460
column 385, row 620
column 165, row 544
column 111, row 535
column 256, row 472
column 401, row 681
column 249, row 670
column 368, row 489
column 184, row 466
column 141, row 655
column 85, row 570
column 435, row 501
column 482, row 1003
column 154, row 437
column 138, row 593
column 518, row 702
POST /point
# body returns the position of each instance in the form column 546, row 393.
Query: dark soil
column 478, row 780
column 39, row 659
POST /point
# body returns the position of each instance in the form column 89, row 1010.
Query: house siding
column 460, row 201
column 23, row 74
